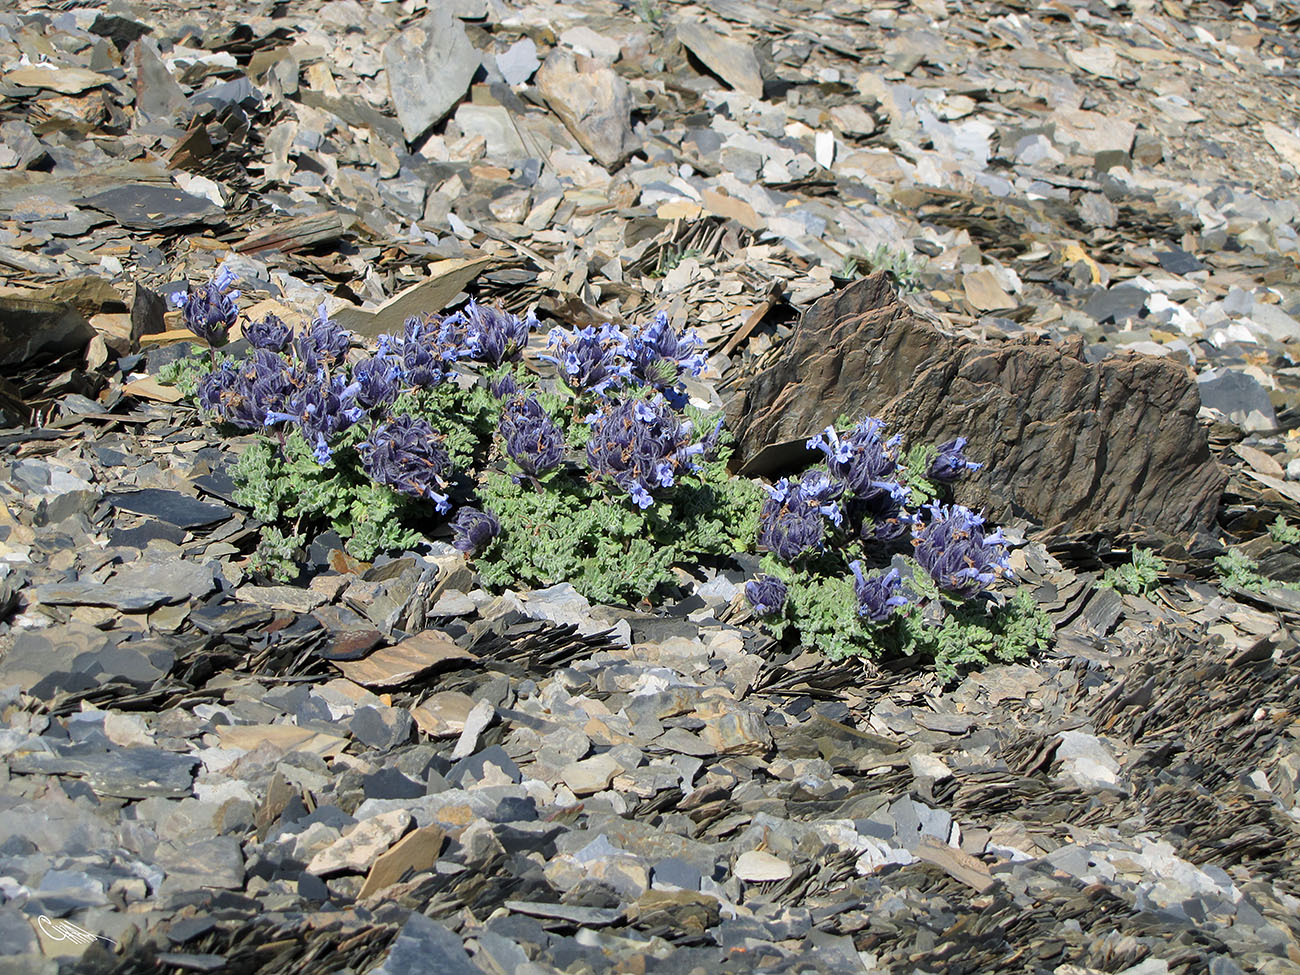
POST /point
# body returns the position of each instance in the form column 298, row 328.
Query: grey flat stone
column 596, row 916
column 425, row 946
column 429, row 67
column 129, row 773
column 172, row 507
column 126, row 598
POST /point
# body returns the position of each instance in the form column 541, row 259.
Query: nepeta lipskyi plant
column 377, row 446
column 826, row 531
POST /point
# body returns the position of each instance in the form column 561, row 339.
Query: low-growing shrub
column 864, row 558
column 606, row 476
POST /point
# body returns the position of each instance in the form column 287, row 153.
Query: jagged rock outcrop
column 1074, row 445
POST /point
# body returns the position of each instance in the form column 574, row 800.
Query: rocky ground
column 1090, row 208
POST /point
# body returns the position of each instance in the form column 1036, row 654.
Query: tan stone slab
column 284, row 737
column 443, row 715
column 395, row 665
column 416, row 852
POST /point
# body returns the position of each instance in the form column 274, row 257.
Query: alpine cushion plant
column 445, row 428
column 868, row 569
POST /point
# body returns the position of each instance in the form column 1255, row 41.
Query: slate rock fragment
column 732, row 60
column 153, row 206
column 429, row 66
column 593, row 102
column 172, row 507
column 425, row 945
column 31, row 328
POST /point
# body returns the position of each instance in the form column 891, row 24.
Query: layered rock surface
column 1071, row 444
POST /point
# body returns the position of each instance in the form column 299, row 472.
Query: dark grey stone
column 153, row 206
column 172, row 507
column 381, row 727
column 1178, row 261
column 469, row 770
column 129, row 773
column 389, row 783
column 676, row 872
column 1234, row 393
column 128, row 599
column 425, row 946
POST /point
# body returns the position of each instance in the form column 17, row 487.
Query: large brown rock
column 1076, row 446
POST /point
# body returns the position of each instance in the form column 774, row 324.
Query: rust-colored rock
column 1076, row 446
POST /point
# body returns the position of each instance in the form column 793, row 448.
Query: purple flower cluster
column 766, row 594
column 493, row 335
column 878, row 595
column 210, row 311
column 245, row 394
column 589, row 359
column 953, row 548
column 793, row 518
column 883, row 516
column 427, row 349
column 473, row 529
column 532, row 438
column 322, row 408
column 950, row 463
column 269, row 333
column 325, row 343
column 407, row 455
column 858, row 498
column 862, row 460
column 659, row 356
column 378, row 379
column 642, row 445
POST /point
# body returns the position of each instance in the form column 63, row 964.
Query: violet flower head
column 210, row 310
column 823, row 492
column 214, row 388
column 879, row 595
column 406, row 454
column 243, row 395
column 950, row 463
column 325, row 341
column 503, row 387
column 954, row 549
column 493, row 335
column 473, row 529
column 659, row 356
column 378, row 380
column 766, row 595
column 790, row 523
column 886, row 517
column 321, row 410
column 641, row 445
column 428, row 350
column 532, row 439
column 268, row 333
column 588, row 358
column 862, row 459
